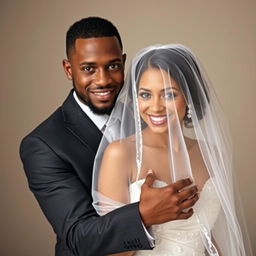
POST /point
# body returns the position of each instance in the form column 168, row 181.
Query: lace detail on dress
column 181, row 237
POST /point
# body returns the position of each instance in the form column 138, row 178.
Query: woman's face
column 160, row 98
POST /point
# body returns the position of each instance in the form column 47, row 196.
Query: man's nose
column 102, row 77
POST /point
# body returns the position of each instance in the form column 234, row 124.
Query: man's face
column 96, row 67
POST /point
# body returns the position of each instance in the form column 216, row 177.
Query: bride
column 167, row 119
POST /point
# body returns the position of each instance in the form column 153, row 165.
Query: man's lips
column 158, row 120
column 103, row 94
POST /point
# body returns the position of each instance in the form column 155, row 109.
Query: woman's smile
column 158, row 119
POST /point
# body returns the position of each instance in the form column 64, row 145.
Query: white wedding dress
column 181, row 237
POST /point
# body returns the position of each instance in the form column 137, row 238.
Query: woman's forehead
column 153, row 77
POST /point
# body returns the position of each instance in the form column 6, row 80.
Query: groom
column 58, row 155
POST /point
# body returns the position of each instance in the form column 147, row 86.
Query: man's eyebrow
column 91, row 63
column 88, row 63
column 115, row 60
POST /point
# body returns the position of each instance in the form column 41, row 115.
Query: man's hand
column 159, row 205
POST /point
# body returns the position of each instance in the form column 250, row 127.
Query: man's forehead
column 96, row 45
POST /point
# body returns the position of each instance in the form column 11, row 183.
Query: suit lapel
column 80, row 124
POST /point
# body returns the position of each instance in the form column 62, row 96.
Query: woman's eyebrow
column 144, row 89
column 162, row 90
column 170, row 88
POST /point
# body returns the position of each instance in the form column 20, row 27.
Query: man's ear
column 67, row 68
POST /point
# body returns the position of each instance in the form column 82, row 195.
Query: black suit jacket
column 58, row 160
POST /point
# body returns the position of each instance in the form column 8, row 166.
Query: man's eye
column 114, row 66
column 145, row 95
column 87, row 68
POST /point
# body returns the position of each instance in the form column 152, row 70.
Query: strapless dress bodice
column 181, row 237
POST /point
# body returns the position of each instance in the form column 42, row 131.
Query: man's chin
column 95, row 109
column 100, row 110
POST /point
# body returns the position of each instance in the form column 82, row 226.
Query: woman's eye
column 145, row 95
column 169, row 95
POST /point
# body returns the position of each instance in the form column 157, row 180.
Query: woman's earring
column 189, row 112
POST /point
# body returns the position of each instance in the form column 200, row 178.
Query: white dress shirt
column 98, row 120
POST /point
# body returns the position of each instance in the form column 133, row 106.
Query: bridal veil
column 203, row 123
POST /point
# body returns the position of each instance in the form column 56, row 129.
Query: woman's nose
column 157, row 104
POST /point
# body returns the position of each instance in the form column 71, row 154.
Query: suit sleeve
column 68, row 206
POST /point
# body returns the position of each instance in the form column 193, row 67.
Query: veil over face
column 169, row 119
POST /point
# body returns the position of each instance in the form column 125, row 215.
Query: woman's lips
column 158, row 120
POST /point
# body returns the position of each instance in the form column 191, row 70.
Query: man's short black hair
column 88, row 28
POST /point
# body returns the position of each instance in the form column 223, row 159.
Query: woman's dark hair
column 88, row 28
column 182, row 67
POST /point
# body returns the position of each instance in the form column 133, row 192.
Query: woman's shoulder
column 120, row 149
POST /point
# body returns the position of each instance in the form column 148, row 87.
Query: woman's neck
column 160, row 140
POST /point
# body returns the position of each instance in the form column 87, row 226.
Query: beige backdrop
column 222, row 33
